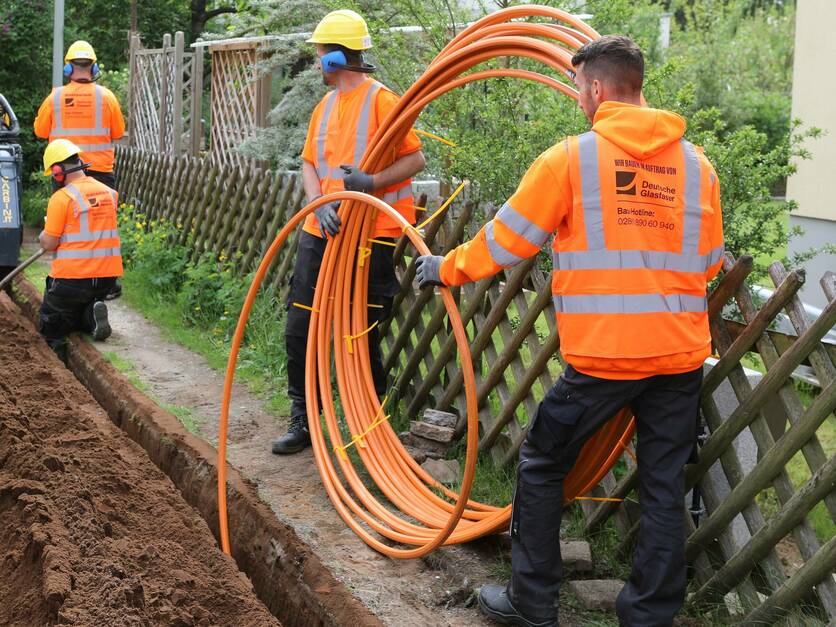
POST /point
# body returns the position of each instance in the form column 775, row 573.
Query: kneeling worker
column 81, row 229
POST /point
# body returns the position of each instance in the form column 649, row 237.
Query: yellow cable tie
column 301, row 306
column 364, row 254
column 358, row 439
column 443, row 206
column 435, row 137
column 598, row 498
column 375, row 306
column 351, row 338
column 383, row 242
column 417, row 208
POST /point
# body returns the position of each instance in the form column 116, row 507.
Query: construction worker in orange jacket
column 636, row 212
column 83, row 112
column 81, row 230
column 339, row 131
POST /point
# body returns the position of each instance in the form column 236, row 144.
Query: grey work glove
column 355, row 180
column 329, row 221
column 428, row 270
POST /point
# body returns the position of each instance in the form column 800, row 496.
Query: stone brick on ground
column 431, row 431
column 440, row 418
column 445, row 471
column 576, row 555
column 597, row 594
column 431, row 448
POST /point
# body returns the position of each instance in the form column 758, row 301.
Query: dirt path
column 91, row 532
column 434, row 591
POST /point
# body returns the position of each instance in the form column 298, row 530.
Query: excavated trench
column 112, row 521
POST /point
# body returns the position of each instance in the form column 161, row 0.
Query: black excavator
column 11, row 165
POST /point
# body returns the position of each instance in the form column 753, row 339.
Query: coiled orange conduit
column 430, row 514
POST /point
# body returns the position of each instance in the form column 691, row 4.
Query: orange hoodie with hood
column 641, row 158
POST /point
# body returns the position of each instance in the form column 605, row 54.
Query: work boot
column 494, row 603
column 297, row 437
column 101, row 326
column 115, row 292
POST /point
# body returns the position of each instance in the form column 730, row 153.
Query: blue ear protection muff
column 68, row 69
column 333, row 61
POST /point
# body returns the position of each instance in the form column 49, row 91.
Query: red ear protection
column 58, row 173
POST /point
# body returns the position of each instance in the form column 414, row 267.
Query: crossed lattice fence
column 161, row 93
column 755, row 512
column 166, row 92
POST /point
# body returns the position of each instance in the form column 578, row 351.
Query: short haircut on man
column 614, row 59
column 353, row 57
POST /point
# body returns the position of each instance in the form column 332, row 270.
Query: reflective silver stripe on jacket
column 98, row 107
column 322, row 168
column 629, row 303
column 88, row 254
column 399, row 194
column 95, row 147
column 84, row 233
column 521, row 225
column 361, row 140
column 501, row 256
column 635, row 260
column 593, row 217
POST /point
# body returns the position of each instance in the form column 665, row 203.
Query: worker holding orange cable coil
column 636, row 211
column 340, row 129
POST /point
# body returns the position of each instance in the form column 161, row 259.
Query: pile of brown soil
column 91, row 532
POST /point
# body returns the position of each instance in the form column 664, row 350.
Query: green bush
column 211, row 295
column 148, row 249
column 37, row 190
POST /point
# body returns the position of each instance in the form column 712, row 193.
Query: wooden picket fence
column 514, row 344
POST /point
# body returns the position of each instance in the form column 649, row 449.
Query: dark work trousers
column 666, row 408
column 108, row 178
column 68, row 306
column 383, row 285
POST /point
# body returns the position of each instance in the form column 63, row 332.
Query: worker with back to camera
column 88, row 115
column 85, row 113
column 81, row 230
column 636, row 211
column 340, row 129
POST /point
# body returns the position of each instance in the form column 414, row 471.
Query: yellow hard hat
column 80, row 50
column 344, row 27
column 58, row 150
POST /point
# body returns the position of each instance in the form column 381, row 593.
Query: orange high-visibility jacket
column 88, row 115
column 636, row 208
column 83, row 215
column 340, row 129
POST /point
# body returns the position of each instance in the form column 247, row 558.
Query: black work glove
column 428, row 270
column 329, row 221
column 355, row 180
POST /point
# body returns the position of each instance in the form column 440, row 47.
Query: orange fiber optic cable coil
column 418, row 513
